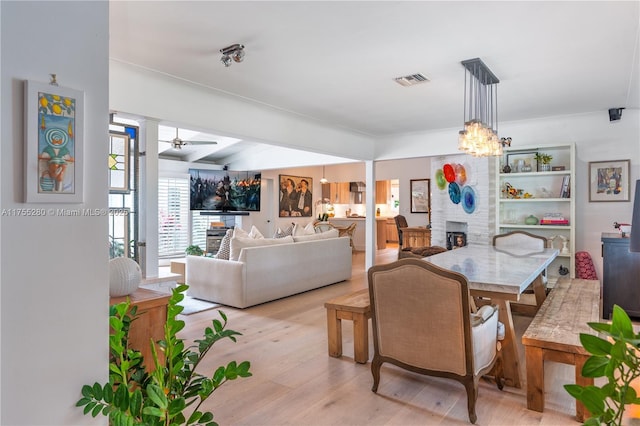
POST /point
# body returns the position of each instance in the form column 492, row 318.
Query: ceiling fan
column 177, row 143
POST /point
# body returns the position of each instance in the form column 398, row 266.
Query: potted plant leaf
column 544, row 161
column 614, row 356
column 173, row 392
column 194, row 250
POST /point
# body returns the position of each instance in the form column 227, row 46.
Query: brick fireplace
column 449, row 219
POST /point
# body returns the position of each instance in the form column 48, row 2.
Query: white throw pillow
column 255, row 233
column 298, row 230
column 239, row 232
column 238, row 243
column 225, row 246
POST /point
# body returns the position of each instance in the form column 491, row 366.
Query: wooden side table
column 152, row 315
column 354, row 307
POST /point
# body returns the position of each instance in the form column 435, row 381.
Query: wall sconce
column 235, row 52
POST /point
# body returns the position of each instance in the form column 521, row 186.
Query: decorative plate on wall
column 440, row 180
column 449, row 172
column 454, row 193
column 468, row 199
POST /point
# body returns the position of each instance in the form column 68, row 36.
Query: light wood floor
column 295, row 382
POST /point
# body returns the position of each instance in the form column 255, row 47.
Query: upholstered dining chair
column 422, row 322
column 405, row 251
column 524, row 240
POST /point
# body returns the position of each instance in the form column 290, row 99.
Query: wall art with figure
column 53, row 149
column 295, row 198
column 609, row 180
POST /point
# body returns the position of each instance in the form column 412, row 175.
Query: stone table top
column 492, row 270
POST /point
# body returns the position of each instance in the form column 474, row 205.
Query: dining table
column 500, row 275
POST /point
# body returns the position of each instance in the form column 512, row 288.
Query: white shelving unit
column 544, row 189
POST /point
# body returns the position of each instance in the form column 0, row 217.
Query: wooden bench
column 554, row 335
column 355, row 307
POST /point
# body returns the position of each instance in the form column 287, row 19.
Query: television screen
column 224, row 190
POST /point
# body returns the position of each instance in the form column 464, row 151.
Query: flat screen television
column 224, row 190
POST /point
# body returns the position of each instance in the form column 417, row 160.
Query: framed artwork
column 420, row 195
column 295, row 198
column 54, row 120
column 522, row 162
column 609, row 180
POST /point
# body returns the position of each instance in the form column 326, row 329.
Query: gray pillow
column 281, row 234
column 225, row 246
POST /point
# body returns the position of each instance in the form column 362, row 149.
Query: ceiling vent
column 411, row 80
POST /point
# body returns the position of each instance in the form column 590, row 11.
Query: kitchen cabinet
column 621, row 269
column 392, row 231
column 381, row 233
column 336, row 192
column 524, row 192
column 383, row 189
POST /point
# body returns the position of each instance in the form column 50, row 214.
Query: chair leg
column 499, row 373
column 375, row 371
column 472, row 395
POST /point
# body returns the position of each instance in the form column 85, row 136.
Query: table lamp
column 634, row 243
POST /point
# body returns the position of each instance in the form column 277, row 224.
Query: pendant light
column 323, row 180
column 480, row 135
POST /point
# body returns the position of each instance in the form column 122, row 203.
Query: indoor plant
column 544, row 161
column 615, row 357
column 194, row 250
column 162, row 397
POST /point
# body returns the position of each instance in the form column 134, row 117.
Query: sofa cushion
column 332, row 233
column 239, row 232
column 238, row 243
column 303, row 230
column 280, row 233
column 255, row 233
column 225, row 246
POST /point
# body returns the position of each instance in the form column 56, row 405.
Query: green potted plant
column 133, row 396
column 544, row 161
column 614, row 356
column 194, row 250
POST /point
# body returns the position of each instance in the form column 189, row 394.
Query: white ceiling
column 335, row 61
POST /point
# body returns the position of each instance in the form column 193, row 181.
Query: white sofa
column 266, row 273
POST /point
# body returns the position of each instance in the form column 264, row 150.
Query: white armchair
column 422, row 322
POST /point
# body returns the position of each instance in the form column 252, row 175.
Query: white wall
column 54, row 276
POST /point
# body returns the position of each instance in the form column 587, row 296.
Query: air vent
column 410, row 80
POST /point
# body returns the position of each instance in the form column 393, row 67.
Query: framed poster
column 54, row 119
column 420, row 195
column 295, row 198
column 609, row 180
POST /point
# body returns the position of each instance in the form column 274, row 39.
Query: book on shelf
column 553, row 219
column 565, row 190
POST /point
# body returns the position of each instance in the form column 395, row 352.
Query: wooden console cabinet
column 152, row 315
column 620, row 280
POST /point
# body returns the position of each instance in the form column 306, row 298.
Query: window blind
column 173, row 216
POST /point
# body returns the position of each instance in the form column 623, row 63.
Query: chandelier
column 480, row 135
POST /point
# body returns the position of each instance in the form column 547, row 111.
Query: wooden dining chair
column 414, row 242
column 422, row 322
